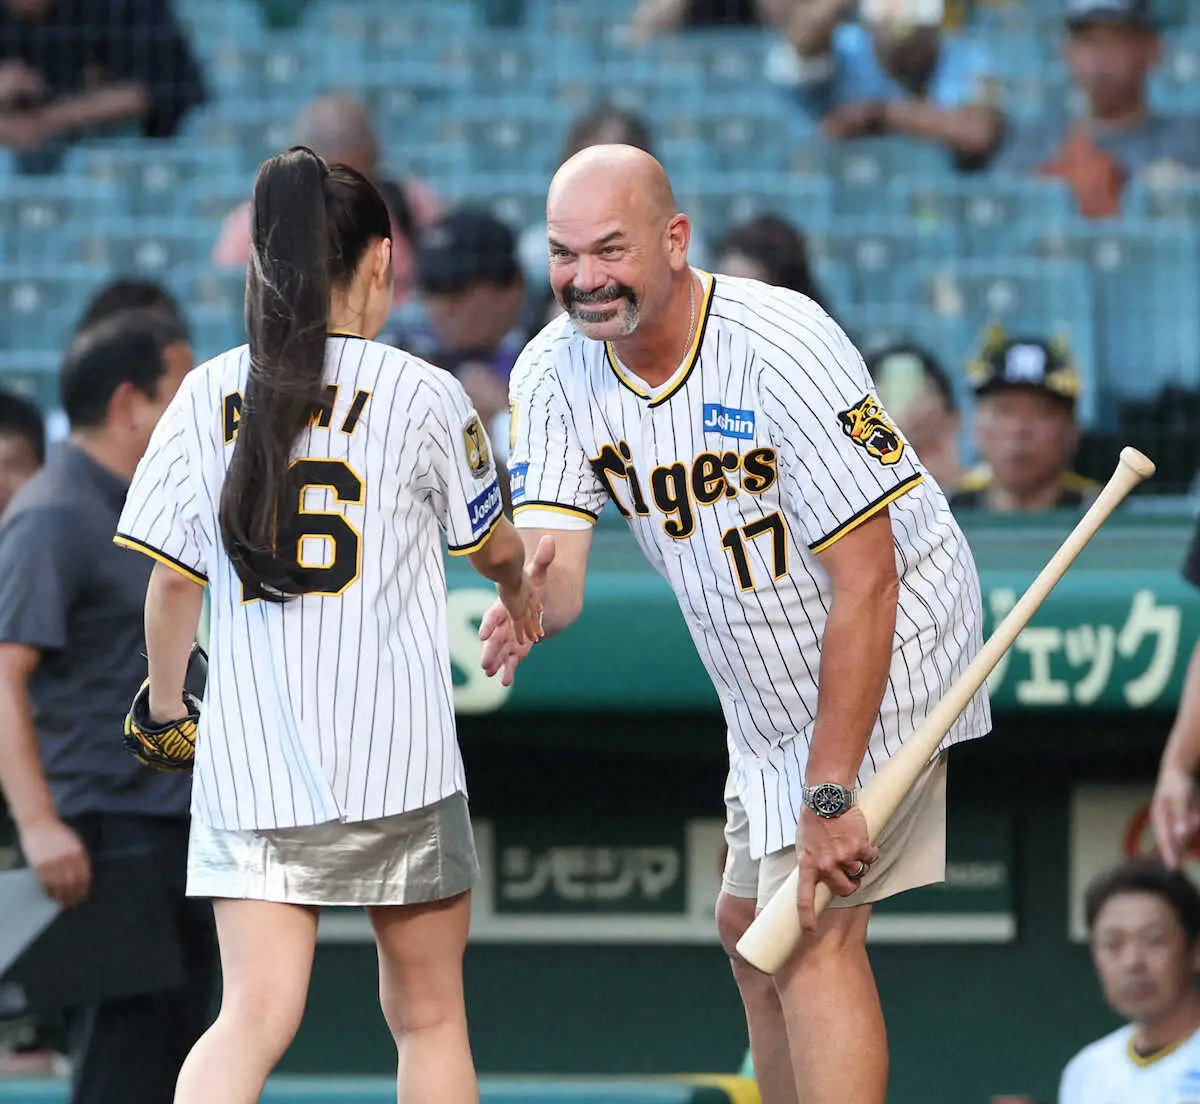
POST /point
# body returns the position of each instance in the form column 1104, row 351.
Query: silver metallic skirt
column 424, row 855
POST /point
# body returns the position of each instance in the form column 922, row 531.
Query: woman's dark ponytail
column 287, row 317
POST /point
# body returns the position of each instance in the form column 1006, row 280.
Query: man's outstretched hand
column 502, row 650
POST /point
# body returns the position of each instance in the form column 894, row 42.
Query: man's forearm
column 1183, row 745
column 968, row 131
column 562, row 595
column 105, row 105
column 21, row 775
column 856, row 656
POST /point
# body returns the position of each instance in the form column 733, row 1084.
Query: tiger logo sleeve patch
column 868, row 426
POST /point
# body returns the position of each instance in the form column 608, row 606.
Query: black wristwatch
column 828, row 799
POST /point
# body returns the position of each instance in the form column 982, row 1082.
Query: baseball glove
column 165, row 747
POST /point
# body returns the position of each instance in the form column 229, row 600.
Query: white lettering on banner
column 588, row 873
column 477, row 693
column 1096, row 647
column 1147, row 619
column 1040, row 689
column 976, row 875
column 1091, row 651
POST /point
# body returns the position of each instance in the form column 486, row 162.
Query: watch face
column 828, row 800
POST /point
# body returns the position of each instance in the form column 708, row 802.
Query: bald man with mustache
column 828, row 590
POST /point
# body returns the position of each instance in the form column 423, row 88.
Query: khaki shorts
column 912, row 848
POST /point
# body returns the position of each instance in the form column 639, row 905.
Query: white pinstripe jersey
column 763, row 449
column 337, row 705
column 1110, row 1071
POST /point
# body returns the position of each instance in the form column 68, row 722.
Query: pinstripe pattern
column 771, row 356
column 334, row 706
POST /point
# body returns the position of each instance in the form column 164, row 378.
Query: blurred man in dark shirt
column 72, row 65
column 472, row 289
column 71, row 658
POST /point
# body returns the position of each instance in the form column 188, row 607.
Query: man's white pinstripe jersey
column 1110, row 1071
column 764, row 448
column 337, row 705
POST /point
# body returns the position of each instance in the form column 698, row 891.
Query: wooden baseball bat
column 775, row 932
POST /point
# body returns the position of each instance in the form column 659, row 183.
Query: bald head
column 624, row 176
column 618, row 246
column 339, row 129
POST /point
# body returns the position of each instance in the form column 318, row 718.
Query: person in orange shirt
column 339, row 129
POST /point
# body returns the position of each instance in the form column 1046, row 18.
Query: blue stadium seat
column 1035, row 95
column 1030, row 298
column 394, row 29
column 1175, row 84
column 146, row 247
column 836, row 287
column 513, row 64
column 38, row 214
column 987, row 210
column 40, row 306
column 215, row 330
column 150, row 179
column 251, row 132
column 203, row 287
column 733, row 140
column 872, row 249
column 517, row 198
column 862, row 170
column 721, row 200
column 1147, row 285
column 1170, row 196
column 32, row 373
column 949, row 338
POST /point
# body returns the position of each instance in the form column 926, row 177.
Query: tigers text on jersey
column 762, row 450
column 337, row 705
column 1109, row 1071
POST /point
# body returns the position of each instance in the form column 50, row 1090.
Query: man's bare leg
column 830, row 1004
column 764, row 1013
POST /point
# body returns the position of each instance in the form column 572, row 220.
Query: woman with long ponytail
column 308, row 480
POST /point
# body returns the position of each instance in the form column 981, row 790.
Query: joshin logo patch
column 482, row 511
column 516, row 481
column 868, row 426
column 728, row 422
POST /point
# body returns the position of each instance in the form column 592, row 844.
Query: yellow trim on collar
column 689, row 358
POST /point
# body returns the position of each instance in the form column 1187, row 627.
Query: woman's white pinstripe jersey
column 763, row 449
column 338, row 705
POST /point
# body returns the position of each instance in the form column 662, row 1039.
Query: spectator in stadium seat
column 1144, row 928
column 472, row 288
column 73, row 65
column 882, row 75
column 22, row 443
column 916, row 392
column 1025, row 429
column 1112, row 47
column 770, row 249
column 338, row 128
